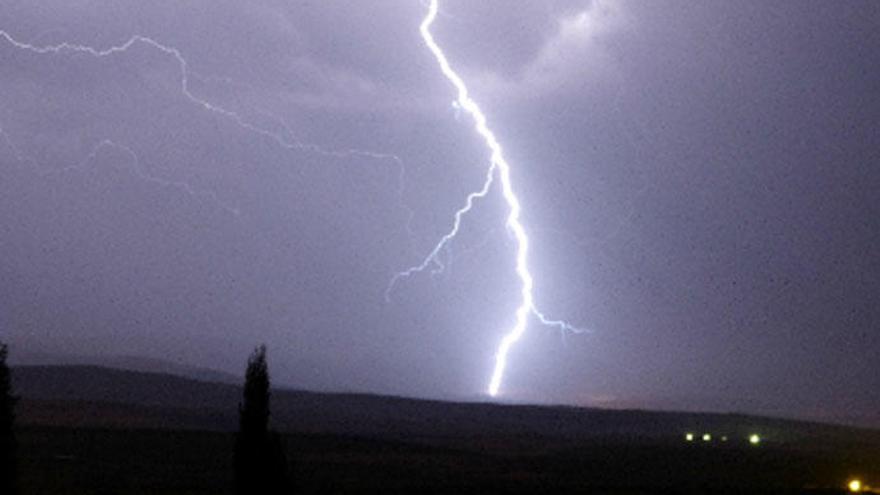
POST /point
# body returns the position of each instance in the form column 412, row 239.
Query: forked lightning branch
column 499, row 167
column 499, row 172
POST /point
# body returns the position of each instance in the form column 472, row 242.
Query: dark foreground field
column 62, row 461
column 72, row 441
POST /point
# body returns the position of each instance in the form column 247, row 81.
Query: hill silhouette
column 87, row 428
column 26, row 357
column 98, row 397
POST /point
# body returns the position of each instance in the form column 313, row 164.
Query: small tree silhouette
column 260, row 461
column 7, row 435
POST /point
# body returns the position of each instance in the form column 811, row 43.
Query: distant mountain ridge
column 123, row 362
column 696, row 404
column 96, row 397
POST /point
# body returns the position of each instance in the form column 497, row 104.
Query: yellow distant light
column 689, row 437
column 707, row 437
column 855, row 486
column 754, row 439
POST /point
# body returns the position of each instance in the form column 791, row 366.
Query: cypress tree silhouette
column 259, row 458
column 8, row 483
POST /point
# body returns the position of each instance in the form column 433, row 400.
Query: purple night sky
column 699, row 181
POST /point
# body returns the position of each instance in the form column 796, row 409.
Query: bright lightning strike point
column 500, row 166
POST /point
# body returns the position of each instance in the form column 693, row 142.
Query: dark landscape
column 95, row 430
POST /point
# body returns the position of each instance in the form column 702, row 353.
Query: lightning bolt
column 283, row 139
column 500, row 167
column 464, row 103
column 135, row 168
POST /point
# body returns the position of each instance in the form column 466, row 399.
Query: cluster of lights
column 754, row 438
column 854, row 485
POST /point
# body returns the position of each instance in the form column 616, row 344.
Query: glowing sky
column 698, row 180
